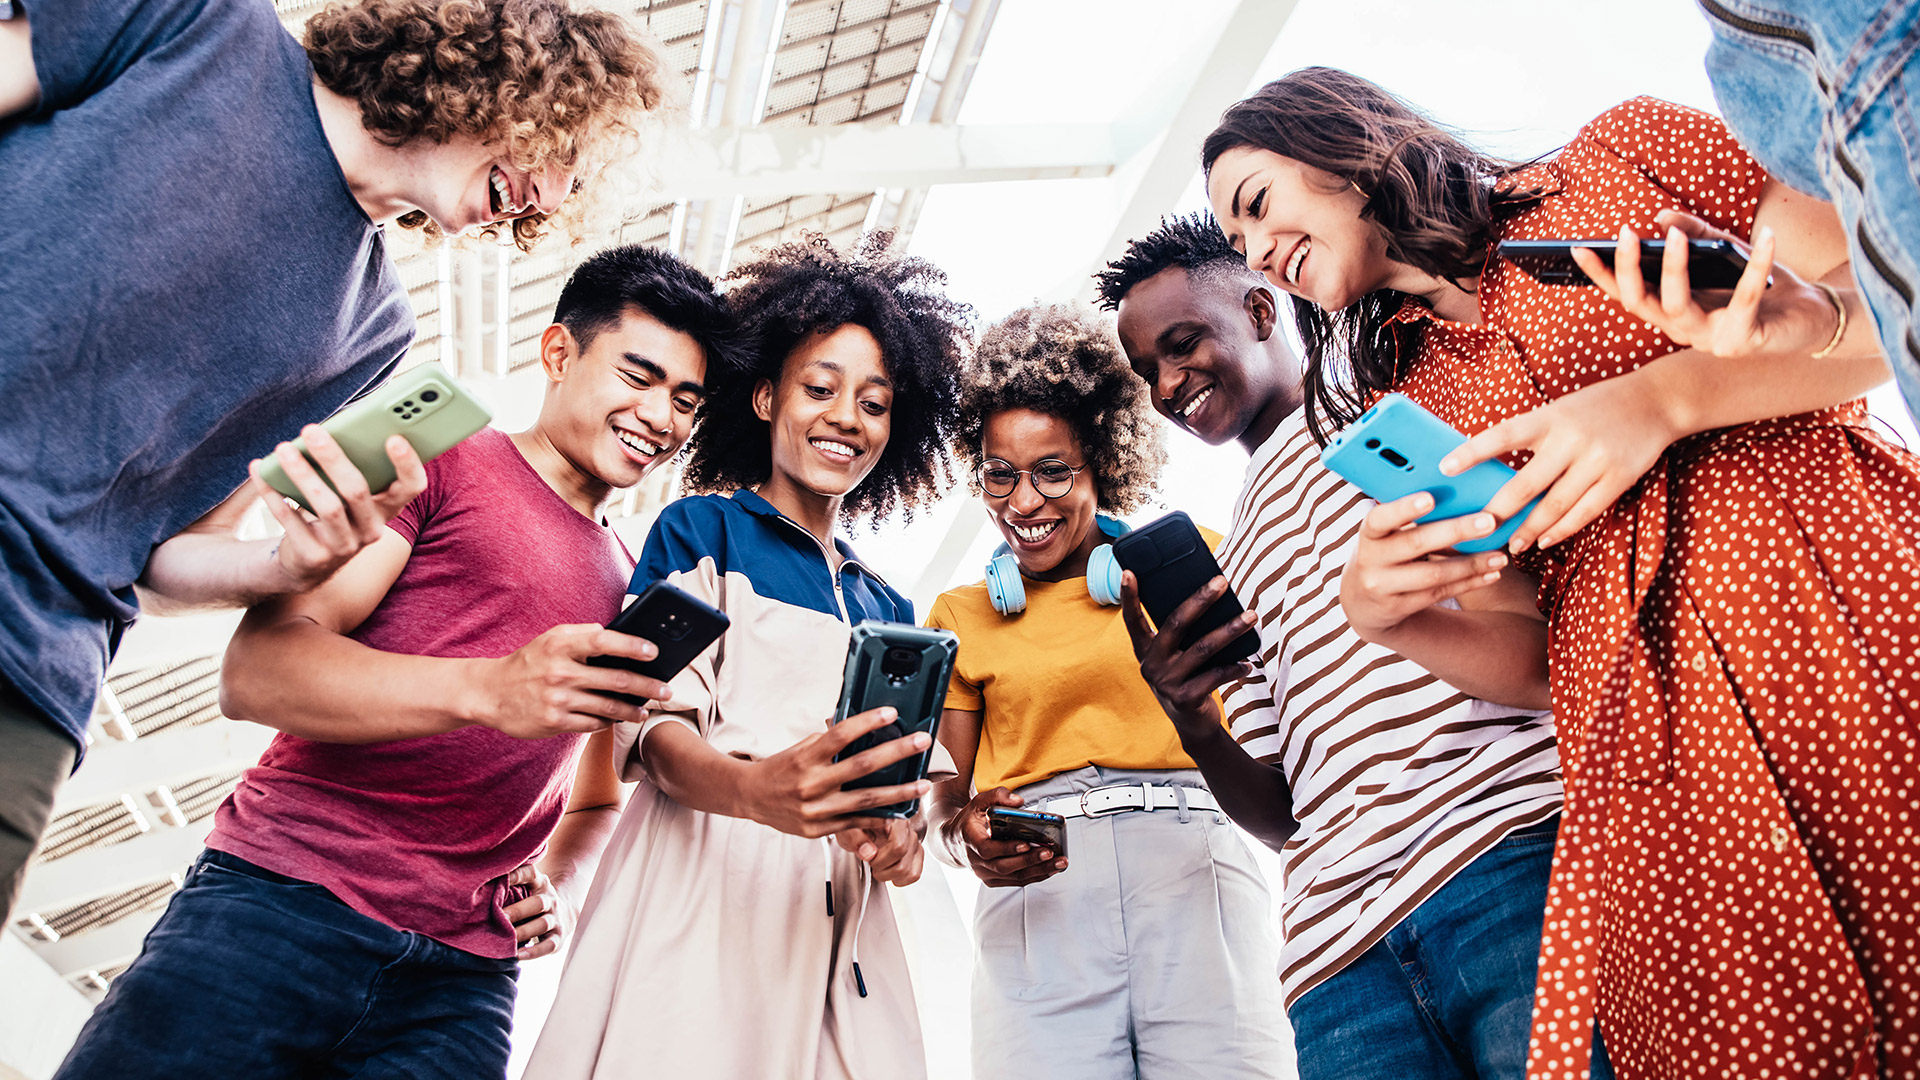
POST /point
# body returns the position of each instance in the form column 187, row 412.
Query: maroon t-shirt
column 421, row 833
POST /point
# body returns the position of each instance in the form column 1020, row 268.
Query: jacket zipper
column 839, row 600
column 1755, row 26
column 1804, row 40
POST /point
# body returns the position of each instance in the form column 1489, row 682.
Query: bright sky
column 1519, row 76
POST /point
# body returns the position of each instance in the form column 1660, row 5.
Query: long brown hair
column 1438, row 201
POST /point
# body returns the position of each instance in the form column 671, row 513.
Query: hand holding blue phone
column 1395, row 449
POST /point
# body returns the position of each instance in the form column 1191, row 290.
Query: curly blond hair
column 552, row 83
column 1065, row 361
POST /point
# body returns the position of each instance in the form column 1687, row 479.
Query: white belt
column 1120, row 798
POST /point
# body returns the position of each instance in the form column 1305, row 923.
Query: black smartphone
column 1711, row 264
column 1170, row 559
column 1034, row 827
column 906, row 667
column 679, row 625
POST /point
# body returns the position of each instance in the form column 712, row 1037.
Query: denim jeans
column 1448, row 993
column 1821, row 93
column 252, row 974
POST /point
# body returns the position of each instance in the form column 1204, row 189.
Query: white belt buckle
column 1106, row 812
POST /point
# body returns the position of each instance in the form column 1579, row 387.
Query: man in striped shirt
column 1415, row 821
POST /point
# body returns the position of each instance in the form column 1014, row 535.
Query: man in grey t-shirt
column 193, row 267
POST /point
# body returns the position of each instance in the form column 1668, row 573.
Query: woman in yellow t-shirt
column 1145, row 948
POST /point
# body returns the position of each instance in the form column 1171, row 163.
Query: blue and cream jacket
column 774, row 676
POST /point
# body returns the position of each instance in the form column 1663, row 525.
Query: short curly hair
column 808, row 286
column 553, row 83
column 1065, row 361
column 1192, row 242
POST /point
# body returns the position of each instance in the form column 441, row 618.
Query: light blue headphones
column 1009, row 594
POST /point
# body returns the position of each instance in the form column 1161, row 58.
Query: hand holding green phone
column 422, row 404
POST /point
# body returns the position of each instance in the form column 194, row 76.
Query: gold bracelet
column 1840, row 310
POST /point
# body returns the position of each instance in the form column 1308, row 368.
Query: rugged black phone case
column 906, row 667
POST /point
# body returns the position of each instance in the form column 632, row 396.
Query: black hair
column 599, row 292
column 808, row 286
column 1192, row 242
column 1065, row 362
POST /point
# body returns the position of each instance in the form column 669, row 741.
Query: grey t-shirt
column 185, row 279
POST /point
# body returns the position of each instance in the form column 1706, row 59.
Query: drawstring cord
column 860, row 912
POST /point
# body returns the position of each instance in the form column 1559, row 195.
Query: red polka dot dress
column 1735, row 658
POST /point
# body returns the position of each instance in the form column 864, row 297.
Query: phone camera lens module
column 1373, row 444
column 899, row 662
column 675, row 628
column 429, row 396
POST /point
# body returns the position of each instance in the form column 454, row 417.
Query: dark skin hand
column 997, row 863
column 1254, row 794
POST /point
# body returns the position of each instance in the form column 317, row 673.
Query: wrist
column 1663, row 392
column 475, row 693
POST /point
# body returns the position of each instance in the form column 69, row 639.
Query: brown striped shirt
column 1398, row 779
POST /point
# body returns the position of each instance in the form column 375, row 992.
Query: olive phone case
column 1711, row 264
column 1170, row 559
column 680, row 625
column 1394, row 450
column 1036, row 827
column 423, row 403
column 906, row 667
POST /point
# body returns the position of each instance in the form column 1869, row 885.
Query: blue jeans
column 1448, row 993
column 252, row 974
column 1821, row 92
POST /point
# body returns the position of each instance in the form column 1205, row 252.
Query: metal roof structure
column 834, row 116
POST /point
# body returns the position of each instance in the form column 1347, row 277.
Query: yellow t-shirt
column 1057, row 685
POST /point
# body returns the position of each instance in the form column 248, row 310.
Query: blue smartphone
column 1394, row 450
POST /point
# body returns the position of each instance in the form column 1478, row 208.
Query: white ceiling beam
column 102, row 870
column 171, row 639
column 1244, row 41
column 712, row 163
column 111, row 944
column 169, row 757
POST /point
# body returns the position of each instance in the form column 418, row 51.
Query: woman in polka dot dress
column 1727, row 554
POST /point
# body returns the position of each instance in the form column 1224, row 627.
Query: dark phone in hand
column 906, row 667
column 1711, row 264
column 1011, row 825
column 1170, row 560
column 680, row 626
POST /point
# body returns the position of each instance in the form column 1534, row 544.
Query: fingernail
column 1061, row 865
column 1483, row 523
column 888, row 712
column 1675, row 236
column 1518, row 546
column 1496, row 562
column 1020, row 849
column 1765, row 233
column 922, row 740
column 923, row 787
column 1045, row 854
column 1488, row 579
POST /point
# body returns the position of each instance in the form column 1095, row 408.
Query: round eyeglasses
column 1051, row 477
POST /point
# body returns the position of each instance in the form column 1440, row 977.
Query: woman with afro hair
column 1141, row 946
column 708, row 947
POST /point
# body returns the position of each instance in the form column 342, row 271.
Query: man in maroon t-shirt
column 417, row 828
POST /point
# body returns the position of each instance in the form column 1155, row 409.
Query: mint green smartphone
column 423, row 403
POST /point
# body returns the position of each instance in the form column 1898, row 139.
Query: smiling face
column 830, row 414
column 1211, row 355
column 464, row 183
column 1051, row 538
column 625, row 403
column 1299, row 227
